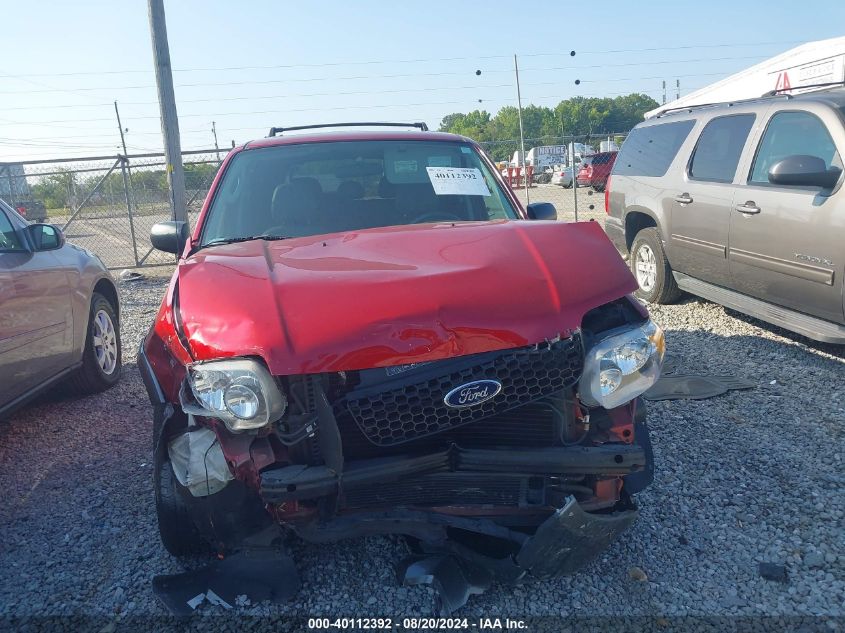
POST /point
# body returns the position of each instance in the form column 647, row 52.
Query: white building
column 811, row 63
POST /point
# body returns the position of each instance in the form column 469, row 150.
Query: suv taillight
column 607, row 196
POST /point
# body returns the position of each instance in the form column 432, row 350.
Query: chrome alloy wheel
column 646, row 268
column 105, row 342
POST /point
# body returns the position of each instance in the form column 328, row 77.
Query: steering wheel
column 436, row 216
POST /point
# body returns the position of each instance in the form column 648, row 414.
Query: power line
column 278, row 111
column 393, row 76
column 414, row 61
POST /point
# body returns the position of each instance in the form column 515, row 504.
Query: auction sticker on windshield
column 457, row 181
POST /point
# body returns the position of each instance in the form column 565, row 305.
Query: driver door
column 786, row 242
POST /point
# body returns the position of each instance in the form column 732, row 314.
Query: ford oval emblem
column 472, row 393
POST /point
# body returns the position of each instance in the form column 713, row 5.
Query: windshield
column 316, row 188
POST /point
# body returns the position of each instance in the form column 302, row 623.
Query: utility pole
column 521, row 131
column 120, row 128
column 664, row 92
column 677, row 89
column 214, row 131
column 167, row 106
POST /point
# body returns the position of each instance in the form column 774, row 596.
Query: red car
column 366, row 333
column 595, row 170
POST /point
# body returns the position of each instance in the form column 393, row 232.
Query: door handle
column 684, row 198
column 749, row 208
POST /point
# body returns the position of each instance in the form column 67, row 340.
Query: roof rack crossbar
column 278, row 130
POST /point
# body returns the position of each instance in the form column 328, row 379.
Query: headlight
column 621, row 367
column 241, row 392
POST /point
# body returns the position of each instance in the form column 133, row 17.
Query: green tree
column 57, row 190
column 578, row 116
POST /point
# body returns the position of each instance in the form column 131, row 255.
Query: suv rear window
column 315, row 188
column 716, row 154
column 649, row 150
column 601, row 159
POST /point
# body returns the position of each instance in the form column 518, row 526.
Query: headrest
column 305, row 187
column 386, row 189
column 350, row 190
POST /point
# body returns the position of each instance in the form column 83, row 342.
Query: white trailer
column 812, row 63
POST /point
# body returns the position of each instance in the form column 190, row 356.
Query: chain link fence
column 551, row 159
column 108, row 204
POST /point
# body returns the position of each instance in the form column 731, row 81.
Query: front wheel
column 101, row 358
column 651, row 269
column 179, row 533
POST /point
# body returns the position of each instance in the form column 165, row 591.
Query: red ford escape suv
column 366, row 333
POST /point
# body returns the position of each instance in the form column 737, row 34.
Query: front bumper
column 298, row 482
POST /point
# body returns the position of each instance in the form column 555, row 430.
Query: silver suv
column 740, row 203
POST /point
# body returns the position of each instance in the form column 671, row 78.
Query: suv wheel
column 101, row 358
column 651, row 269
column 177, row 529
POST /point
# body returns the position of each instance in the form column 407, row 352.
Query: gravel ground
column 749, row 477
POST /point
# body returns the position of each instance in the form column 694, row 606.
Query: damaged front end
column 504, row 465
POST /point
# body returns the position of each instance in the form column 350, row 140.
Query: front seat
column 296, row 208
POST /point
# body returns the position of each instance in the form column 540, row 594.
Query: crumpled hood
column 396, row 295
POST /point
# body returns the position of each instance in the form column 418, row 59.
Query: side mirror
column 801, row 170
column 542, row 211
column 45, row 237
column 170, row 236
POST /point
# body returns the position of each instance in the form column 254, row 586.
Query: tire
column 179, row 533
column 101, row 358
column 651, row 269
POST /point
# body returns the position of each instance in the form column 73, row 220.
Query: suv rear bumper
column 616, row 232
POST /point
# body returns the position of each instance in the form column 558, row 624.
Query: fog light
column 241, row 401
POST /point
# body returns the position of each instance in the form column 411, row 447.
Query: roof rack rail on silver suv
column 697, row 106
column 278, row 130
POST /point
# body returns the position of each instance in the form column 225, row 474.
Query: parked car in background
column 741, row 203
column 562, row 176
column 31, row 209
column 58, row 314
column 595, row 170
column 367, row 333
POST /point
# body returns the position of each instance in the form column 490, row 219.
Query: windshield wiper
column 234, row 240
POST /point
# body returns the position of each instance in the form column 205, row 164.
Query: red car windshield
column 316, row 188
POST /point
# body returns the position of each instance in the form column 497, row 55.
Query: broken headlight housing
column 623, row 365
column 240, row 392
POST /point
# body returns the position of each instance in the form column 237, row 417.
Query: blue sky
column 249, row 65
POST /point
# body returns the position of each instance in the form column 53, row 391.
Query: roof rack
column 686, row 107
column 278, row 130
column 718, row 103
column 777, row 91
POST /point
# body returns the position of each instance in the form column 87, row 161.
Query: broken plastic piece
column 684, row 387
column 250, row 576
column 773, row 571
column 562, row 544
column 453, row 580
